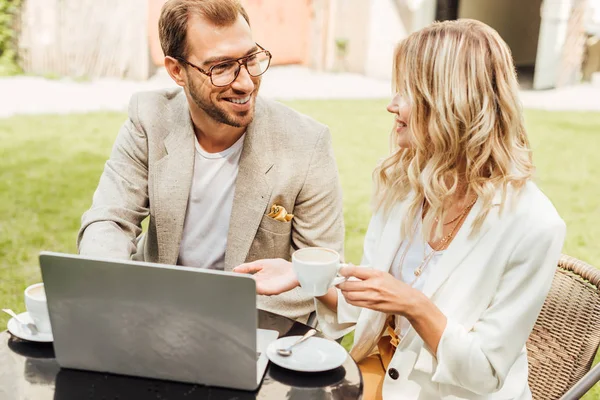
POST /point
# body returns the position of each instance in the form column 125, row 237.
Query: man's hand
column 273, row 276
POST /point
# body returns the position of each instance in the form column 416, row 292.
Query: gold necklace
column 459, row 214
column 458, row 219
column 427, row 258
column 433, row 252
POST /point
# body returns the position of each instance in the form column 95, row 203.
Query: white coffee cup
column 316, row 269
column 37, row 307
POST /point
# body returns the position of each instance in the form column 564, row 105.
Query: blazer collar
column 371, row 322
column 252, row 187
column 173, row 179
column 258, row 140
column 462, row 244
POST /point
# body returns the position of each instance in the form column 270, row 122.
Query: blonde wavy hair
column 465, row 121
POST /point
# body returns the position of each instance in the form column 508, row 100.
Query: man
column 225, row 176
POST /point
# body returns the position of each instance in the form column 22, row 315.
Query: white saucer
column 15, row 329
column 313, row 355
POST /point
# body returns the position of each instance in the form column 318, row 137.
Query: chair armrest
column 583, row 385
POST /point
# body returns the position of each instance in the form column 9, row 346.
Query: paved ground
column 32, row 95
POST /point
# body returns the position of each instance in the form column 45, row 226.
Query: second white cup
column 37, row 306
column 316, row 269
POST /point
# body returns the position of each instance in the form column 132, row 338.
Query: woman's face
column 401, row 110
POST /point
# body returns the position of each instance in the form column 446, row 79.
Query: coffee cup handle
column 340, row 279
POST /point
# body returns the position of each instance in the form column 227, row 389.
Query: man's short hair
column 175, row 14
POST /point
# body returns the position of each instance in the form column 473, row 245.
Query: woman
column 462, row 247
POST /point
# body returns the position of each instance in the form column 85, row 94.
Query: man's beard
column 216, row 113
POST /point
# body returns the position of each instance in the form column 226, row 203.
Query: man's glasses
column 224, row 73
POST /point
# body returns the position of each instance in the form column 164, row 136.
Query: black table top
column 29, row 371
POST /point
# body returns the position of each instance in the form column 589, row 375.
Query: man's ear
column 175, row 70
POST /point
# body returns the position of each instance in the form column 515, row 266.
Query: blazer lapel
column 461, row 245
column 252, row 189
column 371, row 323
column 390, row 237
column 172, row 182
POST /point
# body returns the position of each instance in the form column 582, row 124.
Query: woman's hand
column 378, row 291
column 273, row 276
column 382, row 292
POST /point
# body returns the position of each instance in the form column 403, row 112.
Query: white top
column 418, row 250
column 209, row 207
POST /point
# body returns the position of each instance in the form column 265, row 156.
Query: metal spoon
column 28, row 326
column 288, row 351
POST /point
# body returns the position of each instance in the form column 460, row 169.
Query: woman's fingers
column 357, row 300
column 358, row 272
column 356, row 295
column 353, row 286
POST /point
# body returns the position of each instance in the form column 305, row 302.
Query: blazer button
column 393, row 373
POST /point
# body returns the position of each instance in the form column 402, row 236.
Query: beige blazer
column 287, row 159
column 491, row 287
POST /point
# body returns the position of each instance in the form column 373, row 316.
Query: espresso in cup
column 316, row 268
column 37, row 307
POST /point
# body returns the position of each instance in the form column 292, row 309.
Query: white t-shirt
column 209, row 207
column 418, row 250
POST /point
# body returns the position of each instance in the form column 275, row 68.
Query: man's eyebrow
column 213, row 60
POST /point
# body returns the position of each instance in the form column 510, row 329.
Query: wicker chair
column 566, row 336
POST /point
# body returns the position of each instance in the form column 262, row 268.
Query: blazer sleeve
column 120, row 203
column 480, row 359
column 337, row 324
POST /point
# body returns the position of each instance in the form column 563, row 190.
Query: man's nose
column 243, row 82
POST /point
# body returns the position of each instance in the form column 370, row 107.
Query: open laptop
column 156, row 321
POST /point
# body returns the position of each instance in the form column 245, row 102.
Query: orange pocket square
column 279, row 213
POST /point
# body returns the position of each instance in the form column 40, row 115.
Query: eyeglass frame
column 242, row 61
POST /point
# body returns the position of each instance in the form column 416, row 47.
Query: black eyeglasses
column 224, row 73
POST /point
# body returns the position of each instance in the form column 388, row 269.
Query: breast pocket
column 273, row 226
column 272, row 240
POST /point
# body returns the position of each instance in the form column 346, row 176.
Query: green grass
column 50, row 165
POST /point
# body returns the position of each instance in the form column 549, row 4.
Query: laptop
column 156, row 321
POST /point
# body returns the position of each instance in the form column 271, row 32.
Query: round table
column 29, row 371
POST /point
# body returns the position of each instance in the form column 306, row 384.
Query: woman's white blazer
column 490, row 285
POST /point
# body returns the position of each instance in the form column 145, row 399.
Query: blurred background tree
column 8, row 37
